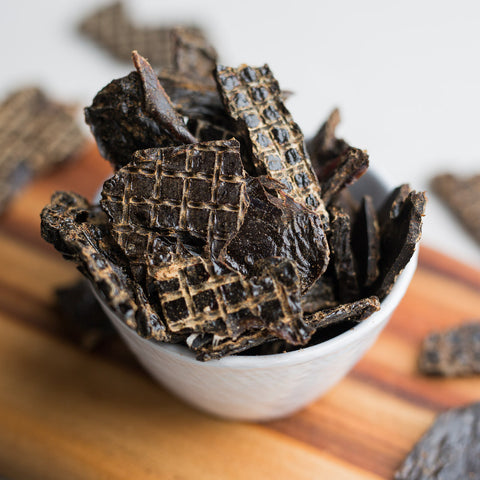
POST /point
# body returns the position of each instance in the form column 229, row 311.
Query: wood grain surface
column 70, row 414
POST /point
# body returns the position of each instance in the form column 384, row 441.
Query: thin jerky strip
column 276, row 226
column 450, row 449
column 462, row 195
column 451, row 353
column 196, row 189
column 343, row 259
column 74, row 228
column 35, row 134
column 392, row 205
column 193, row 298
column 158, row 104
column 252, row 97
column 400, row 235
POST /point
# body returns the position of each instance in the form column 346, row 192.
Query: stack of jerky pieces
column 220, row 228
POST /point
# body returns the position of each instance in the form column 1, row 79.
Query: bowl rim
column 301, row 355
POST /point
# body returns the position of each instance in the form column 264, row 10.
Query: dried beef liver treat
column 451, row 353
column 462, row 195
column 83, row 316
column 343, row 258
column 399, row 237
column 325, row 148
column 180, row 49
column 276, row 226
column 198, row 189
column 252, row 97
column 193, row 299
column 80, row 233
column 366, row 242
column 450, row 449
column 35, row 134
column 392, row 205
column 321, row 295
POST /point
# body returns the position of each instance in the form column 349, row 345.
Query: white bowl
column 265, row 387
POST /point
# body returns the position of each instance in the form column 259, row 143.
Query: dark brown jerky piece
column 277, row 226
column 453, row 352
column 462, row 195
column 35, row 134
column 366, row 242
column 450, row 449
column 321, row 295
column 392, row 205
column 198, row 189
column 343, row 259
column 80, row 233
column 193, row 299
column 400, row 236
column 157, row 103
column 180, row 49
column 325, row 148
column 252, row 97
column 206, row 131
column 350, row 166
column 83, row 316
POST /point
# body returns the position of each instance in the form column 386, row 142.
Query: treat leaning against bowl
column 265, row 387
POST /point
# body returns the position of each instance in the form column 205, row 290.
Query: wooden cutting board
column 70, row 414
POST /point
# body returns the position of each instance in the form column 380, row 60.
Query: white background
column 406, row 75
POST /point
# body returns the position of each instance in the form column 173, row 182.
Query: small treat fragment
column 252, row 97
column 366, row 242
column 183, row 50
column 198, row 189
column 451, row 353
column 462, row 195
column 399, row 237
column 321, row 295
column 83, row 316
column 343, row 259
column 276, row 226
column 392, row 205
column 35, row 134
column 450, row 449
column 80, row 233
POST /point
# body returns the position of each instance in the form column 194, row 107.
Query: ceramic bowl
column 259, row 388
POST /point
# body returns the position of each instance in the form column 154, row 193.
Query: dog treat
column 80, row 233
column 451, row 353
column 462, row 195
column 321, row 295
column 400, row 234
column 183, row 50
column 450, row 449
column 276, row 226
column 35, row 134
column 252, row 97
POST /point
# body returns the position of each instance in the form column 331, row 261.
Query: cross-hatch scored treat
column 35, row 134
column 252, row 97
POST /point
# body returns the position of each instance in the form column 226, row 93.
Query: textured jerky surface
column 180, row 49
column 276, row 226
column 197, row 189
column 454, row 352
column 252, row 97
column 399, row 236
column 462, row 195
column 35, row 134
column 449, row 450
column 79, row 232
column 320, row 295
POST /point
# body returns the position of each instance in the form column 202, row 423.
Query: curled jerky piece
column 462, row 195
column 450, row 449
column 276, row 226
column 192, row 298
column 35, row 134
column 392, row 205
column 343, row 258
column 80, row 233
column 180, row 49
column 197, row 189
column 453, row 352
column 366, row 242
column 399, row 237
column 252, row 97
